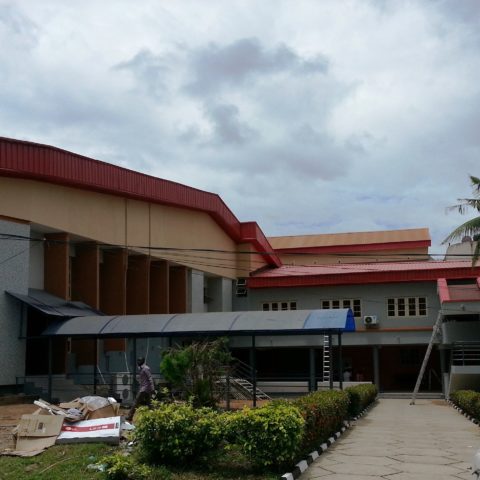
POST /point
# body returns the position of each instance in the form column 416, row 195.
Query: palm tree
column 472, row 227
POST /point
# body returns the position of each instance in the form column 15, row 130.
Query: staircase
column 327, row 357
column 239, row 386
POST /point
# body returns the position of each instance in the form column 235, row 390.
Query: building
column 81, row 236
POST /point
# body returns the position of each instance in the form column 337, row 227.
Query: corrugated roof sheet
column 222, row 323
column 50, row 164
column 54, row 306
column 356, row 273
column 353, row 238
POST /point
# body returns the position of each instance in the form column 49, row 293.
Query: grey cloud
column 215, row 66
column 150, row 71
column 228, row 129
column 16, row 28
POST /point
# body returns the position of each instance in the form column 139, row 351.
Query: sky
column 305, row 116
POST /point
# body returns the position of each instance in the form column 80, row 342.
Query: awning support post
column 253, row 370
column 340, row 360
column 50, row 368
column 134, row 370
column 312, row 387
column 95, row 361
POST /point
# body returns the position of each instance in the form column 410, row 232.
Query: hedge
column 468, row 401
column 324, row 413
column 175, row 433
column 360, row 396
column 269, row 436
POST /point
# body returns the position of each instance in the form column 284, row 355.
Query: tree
column 472, row 227
column 196, row 370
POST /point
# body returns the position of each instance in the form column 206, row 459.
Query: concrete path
column 398, row 441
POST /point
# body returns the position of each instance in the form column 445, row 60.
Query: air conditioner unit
column 122, row 387
column 369, row 320
column 241, row 292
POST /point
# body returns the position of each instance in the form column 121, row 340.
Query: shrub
column 324, row 413
column 196, row 369
column 361, row 396
column 175, row 433
column 468, row 401
column 270, row 435
column 121, row 467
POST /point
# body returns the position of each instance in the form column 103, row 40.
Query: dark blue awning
column 52, row 305
column 290, row 322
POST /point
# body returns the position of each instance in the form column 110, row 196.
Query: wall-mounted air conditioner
column 370, row 320
column 122, row 387
column 241, row 287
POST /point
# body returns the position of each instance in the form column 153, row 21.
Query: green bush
column 121, row 467
column 468, row 401
column 324, row 413
column 361, row 396
column 175, row 433
column 269, row 436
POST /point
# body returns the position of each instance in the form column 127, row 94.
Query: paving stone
column 398, row 441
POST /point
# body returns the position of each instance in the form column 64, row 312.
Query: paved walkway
column 398, row 441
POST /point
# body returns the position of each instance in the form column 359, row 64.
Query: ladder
column 326, row 359
column 436, row 329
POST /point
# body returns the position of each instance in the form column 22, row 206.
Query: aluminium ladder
column 326, row 375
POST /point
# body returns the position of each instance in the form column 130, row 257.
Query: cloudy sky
column 306, row 116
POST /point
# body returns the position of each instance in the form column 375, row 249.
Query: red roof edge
column 35, row 161
column 252, row 233
column 442, row 288
column 357, row 247
column 362, row 278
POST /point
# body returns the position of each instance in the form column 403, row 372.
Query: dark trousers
column 143, row 398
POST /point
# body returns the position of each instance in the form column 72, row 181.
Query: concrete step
column 408, row 395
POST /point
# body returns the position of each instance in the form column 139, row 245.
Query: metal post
column 331, row 360
column 340, row 360
column 253, row 370
column 312, row 387
column 95, row 360
column 50, row 368
column 376, row 366
column 228, row 390
column 134, row 355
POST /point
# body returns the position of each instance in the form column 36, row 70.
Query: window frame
column 407, row 307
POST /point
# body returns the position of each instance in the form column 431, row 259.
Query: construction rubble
column 86, row 419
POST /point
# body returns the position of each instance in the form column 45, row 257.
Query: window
column 407, row 307
column 275, row 306
column 354, row 304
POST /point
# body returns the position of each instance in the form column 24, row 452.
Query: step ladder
column 435, row 332
column 327, row 358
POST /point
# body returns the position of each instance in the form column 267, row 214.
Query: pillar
column 178, row 289
column 159, row 287
column 57, row 265
column 138, row 285
column 376, row 366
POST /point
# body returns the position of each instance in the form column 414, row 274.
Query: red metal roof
column 349, row 274
column 50, row 164
column 459, row 293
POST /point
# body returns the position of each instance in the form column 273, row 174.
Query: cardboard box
column 35, row 433
column 105, row 430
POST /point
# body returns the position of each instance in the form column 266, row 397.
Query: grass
column 63, row 462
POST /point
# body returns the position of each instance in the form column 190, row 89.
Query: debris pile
column 86, row 419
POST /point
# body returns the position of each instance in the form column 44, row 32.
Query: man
column 147, row 387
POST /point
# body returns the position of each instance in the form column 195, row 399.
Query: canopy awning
column 291, row 322
column 55, row 306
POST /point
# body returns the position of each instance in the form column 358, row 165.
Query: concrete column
column 178, row 289
column 376, row 366
column 57, row 265
column 86, row 274
column 159, row 287
column 444, row 374
column 312, row 370
column 138, row 281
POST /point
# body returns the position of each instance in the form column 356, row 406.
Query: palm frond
column 470, row 228
column 475, row 183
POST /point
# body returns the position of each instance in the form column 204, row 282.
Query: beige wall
column 118, row 221
column 413, row 254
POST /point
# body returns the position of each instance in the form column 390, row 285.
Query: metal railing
column 466, row 353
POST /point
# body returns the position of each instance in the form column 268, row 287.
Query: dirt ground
column 9, row 418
